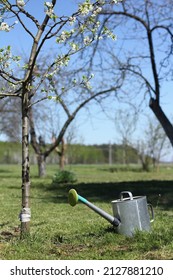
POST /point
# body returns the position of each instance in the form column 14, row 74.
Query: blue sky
column 95, row 128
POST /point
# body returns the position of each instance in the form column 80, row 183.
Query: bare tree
column 144, row 51
column 156, row 140
column 153, row 145
column 69, row 108
column 143, row 153
column 60, row 151
column 10, row 123
column 125, row 122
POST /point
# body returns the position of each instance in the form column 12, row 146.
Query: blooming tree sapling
column 25, row 80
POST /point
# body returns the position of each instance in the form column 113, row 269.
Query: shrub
column 64, row 177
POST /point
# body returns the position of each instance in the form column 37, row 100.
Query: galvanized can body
column 133, row 213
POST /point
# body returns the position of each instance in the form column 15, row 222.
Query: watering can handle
column 152, row 212
column 126, row 192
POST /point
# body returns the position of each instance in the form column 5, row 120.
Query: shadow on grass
column 121, row 168
column 159, row 193
column 2, row 171
column 7, row 173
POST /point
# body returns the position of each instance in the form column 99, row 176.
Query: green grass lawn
column 59, row 231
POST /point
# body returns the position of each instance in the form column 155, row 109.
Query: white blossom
column 74, row 46
column 20, row 3
column 62, row 60
column 97, row 24
column 86, row 84
column 49, row 9
column 4, row 27
column 98, row 37
column 96, row 11
column 85, row 7
column 49, row 12
column 48, row 4
column 116, row 1
column 109, row 33
column 5, row 56
column 64, row 36
column 87, row 40
column 72, row 20
column 6, row 64
column 54, row 98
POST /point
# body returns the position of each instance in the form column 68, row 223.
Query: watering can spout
column 73, row 198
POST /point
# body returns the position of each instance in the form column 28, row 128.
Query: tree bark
column 61, row 153
column 41, row 160
column 25, row 217
column 162, row 118
column 41, row 165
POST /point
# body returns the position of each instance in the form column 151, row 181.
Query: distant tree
column 144, row 52
column 60, row 150
column 69, row 101
column 153, row 145
column 156, row 139
column 143, row 154
column 125, row 122
column 10, row 121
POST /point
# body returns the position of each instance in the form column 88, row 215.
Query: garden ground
column 59, row 231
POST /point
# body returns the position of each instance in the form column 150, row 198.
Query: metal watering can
column 130, row 213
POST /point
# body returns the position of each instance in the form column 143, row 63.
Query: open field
column 59, row 231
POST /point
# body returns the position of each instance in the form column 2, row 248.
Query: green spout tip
column 72, row 197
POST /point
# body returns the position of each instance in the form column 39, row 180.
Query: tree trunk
column 145, row 162
column 60, row 152
column 41, row 165
column 25, row 213
column 162, row 118
column 62, row 155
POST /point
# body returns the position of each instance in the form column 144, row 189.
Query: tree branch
column 72, row 116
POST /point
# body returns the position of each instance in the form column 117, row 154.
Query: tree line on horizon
column 10, row 153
